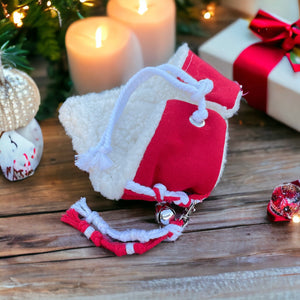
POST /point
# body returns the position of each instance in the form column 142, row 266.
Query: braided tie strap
column 160, row 194
column 127, row 242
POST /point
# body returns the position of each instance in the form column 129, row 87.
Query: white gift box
column 287, row 9
column 283, row 88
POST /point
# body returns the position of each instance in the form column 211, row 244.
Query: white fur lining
column 179, row 58
column 224, row 111
column 224, row 158
column 86, row 117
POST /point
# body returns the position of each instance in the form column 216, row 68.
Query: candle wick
column 99, row 37
column 143, row 7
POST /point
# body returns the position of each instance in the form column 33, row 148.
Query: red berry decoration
column 285, row 202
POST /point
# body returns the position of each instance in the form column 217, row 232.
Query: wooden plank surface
column 229, row 236
column 229, row 250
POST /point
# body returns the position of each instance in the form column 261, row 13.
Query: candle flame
column 99, row 37
column 296, row 219
column 143, row 7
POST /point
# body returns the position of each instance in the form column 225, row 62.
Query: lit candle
column 102, row 54
column 153, row 22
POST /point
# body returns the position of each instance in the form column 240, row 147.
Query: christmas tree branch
column 14, row 56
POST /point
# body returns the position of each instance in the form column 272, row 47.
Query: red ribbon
column 253, row 66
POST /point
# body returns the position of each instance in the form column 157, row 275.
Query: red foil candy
column 285, row 202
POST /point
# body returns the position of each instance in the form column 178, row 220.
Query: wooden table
column 229, row 250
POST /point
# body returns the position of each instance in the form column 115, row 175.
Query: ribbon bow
column 274, row 31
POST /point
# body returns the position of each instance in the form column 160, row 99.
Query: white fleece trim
column 179, row 58
column 86, row 117
column 224, row 158
column 222, row 110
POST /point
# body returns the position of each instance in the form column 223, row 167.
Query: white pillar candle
column 153, row 22
column 286, row 9
column 102, row 53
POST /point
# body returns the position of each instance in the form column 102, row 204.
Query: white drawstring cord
column 128, row 235
column 204, row 86
column 96, row 157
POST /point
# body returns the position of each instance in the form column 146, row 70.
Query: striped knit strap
column 119, row 248
column 72, row 218
column 129, row 235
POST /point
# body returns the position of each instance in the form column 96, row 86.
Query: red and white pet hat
column 162, row 137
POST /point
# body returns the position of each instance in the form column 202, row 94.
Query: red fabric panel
column 181, row 156
column 225, row 91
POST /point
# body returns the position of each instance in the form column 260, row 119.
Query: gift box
column 288, row 11
column 282, row 83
